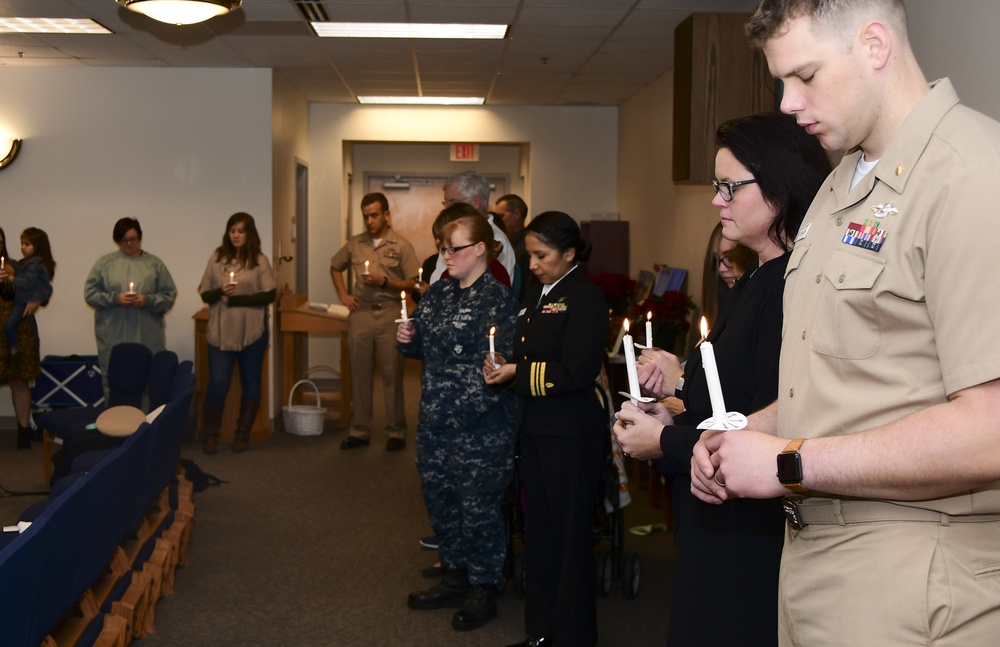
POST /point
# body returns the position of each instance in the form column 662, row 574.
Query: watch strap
column 793, row 448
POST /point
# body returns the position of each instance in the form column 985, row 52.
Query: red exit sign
column 464, row 152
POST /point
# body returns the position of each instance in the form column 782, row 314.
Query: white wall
column 180, row 149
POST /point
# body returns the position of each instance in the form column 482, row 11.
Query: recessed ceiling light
column 51, row 26
column 408, row 30
column 424, row 101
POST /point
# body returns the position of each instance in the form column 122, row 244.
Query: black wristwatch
column 790, row 466
column 385, row 281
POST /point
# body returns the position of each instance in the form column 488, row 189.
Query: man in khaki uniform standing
column 885, row 438
column 384, row 264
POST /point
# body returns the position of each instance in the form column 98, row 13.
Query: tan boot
column 248, row 412
column 210, row 428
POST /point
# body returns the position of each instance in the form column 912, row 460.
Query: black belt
column 803, row 512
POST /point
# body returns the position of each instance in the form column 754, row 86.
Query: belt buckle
column 792, row 514
column 376, row 306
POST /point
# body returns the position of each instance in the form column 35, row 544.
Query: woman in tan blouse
column 238, row 285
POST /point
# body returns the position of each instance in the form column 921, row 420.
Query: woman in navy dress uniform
column 559, row 347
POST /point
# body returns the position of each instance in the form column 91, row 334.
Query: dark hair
column 123, row 226
column 3, row 246
column 788, row 163
column 451, row 213
column 248, row 255
column 43, row 251
column 372, row 198
column 479, row 232
column 832, row 16
column 559, row 230
column 517, row 202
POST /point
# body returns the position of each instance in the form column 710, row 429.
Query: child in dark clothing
column 32, row 283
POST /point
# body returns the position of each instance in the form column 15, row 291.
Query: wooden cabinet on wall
column 717, row 77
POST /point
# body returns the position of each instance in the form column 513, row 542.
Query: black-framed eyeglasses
column 725, row 189
column 451, row 251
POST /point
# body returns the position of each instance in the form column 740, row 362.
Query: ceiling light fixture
column 408, row 30
column 181, row 12
column 423, row 101
column 51, row 26
column 15, row 147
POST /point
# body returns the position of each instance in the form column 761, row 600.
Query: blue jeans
column 220, row 371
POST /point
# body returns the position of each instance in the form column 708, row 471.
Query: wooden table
column 296, row 319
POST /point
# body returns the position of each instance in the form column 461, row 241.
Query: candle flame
column 402, row 295
column 649, row 316
column 493, row 330
column 625, row 324
column 704, row 327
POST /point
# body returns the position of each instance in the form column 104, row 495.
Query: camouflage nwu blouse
column 452, row 337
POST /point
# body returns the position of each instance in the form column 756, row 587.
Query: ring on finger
column 722, row 483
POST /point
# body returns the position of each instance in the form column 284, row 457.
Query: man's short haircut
column 372, row 198
column 837, row 17
column 515, row 201
column 470, row 185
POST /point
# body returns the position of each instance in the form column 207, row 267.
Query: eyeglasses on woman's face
column 725, row 189
column 452, row 249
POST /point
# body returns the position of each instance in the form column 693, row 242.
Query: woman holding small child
column 24, row 287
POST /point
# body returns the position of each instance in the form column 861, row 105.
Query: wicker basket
column 303, row 419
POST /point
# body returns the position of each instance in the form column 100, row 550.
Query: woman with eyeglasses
column 130, row 290
column 562, row 330
column 768, row 170
column 465, row 434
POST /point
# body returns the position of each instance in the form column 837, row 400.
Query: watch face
column 790, row 468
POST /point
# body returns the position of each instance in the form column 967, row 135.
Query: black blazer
column 559, row 347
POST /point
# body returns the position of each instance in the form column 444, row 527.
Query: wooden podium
column 296, row 319
column 261, row 428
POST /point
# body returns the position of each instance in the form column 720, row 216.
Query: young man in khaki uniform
column 890, row 375
column 384, row 265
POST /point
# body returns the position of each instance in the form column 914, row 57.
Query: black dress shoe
column 533, row 642
column 480, row 607
column 451, row 592
column 353, row 442
column 394, row 444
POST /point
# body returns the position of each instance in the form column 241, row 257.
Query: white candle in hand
column 714, row 386
column 131, row 287
column 402, row 298
column 630, row 367
column 649, row 329
column 493, row 351
column 366, row 268
column 420, row 275
column 232, row 277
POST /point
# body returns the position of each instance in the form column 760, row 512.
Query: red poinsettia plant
column 618, row 290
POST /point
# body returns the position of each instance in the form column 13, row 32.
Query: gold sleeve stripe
column 537, row 382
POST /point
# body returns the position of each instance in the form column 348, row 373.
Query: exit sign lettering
column 465, row 152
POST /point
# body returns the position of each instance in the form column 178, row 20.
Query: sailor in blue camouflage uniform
column 465, row 435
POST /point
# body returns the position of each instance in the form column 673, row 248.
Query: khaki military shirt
column 394, row 257
column 890, row 295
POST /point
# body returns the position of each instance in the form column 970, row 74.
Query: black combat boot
column 480, row 607
column 451, row 591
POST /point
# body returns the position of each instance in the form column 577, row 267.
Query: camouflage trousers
column 465, row 472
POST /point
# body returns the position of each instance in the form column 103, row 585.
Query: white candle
column 420, row 275
column 232, row 277
column 493, row 350
column 1, row 262
column 131, row 287
column 630, row 367
column 366, row 267
column 714, row 386
column 649, row 329
column 402, row 298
